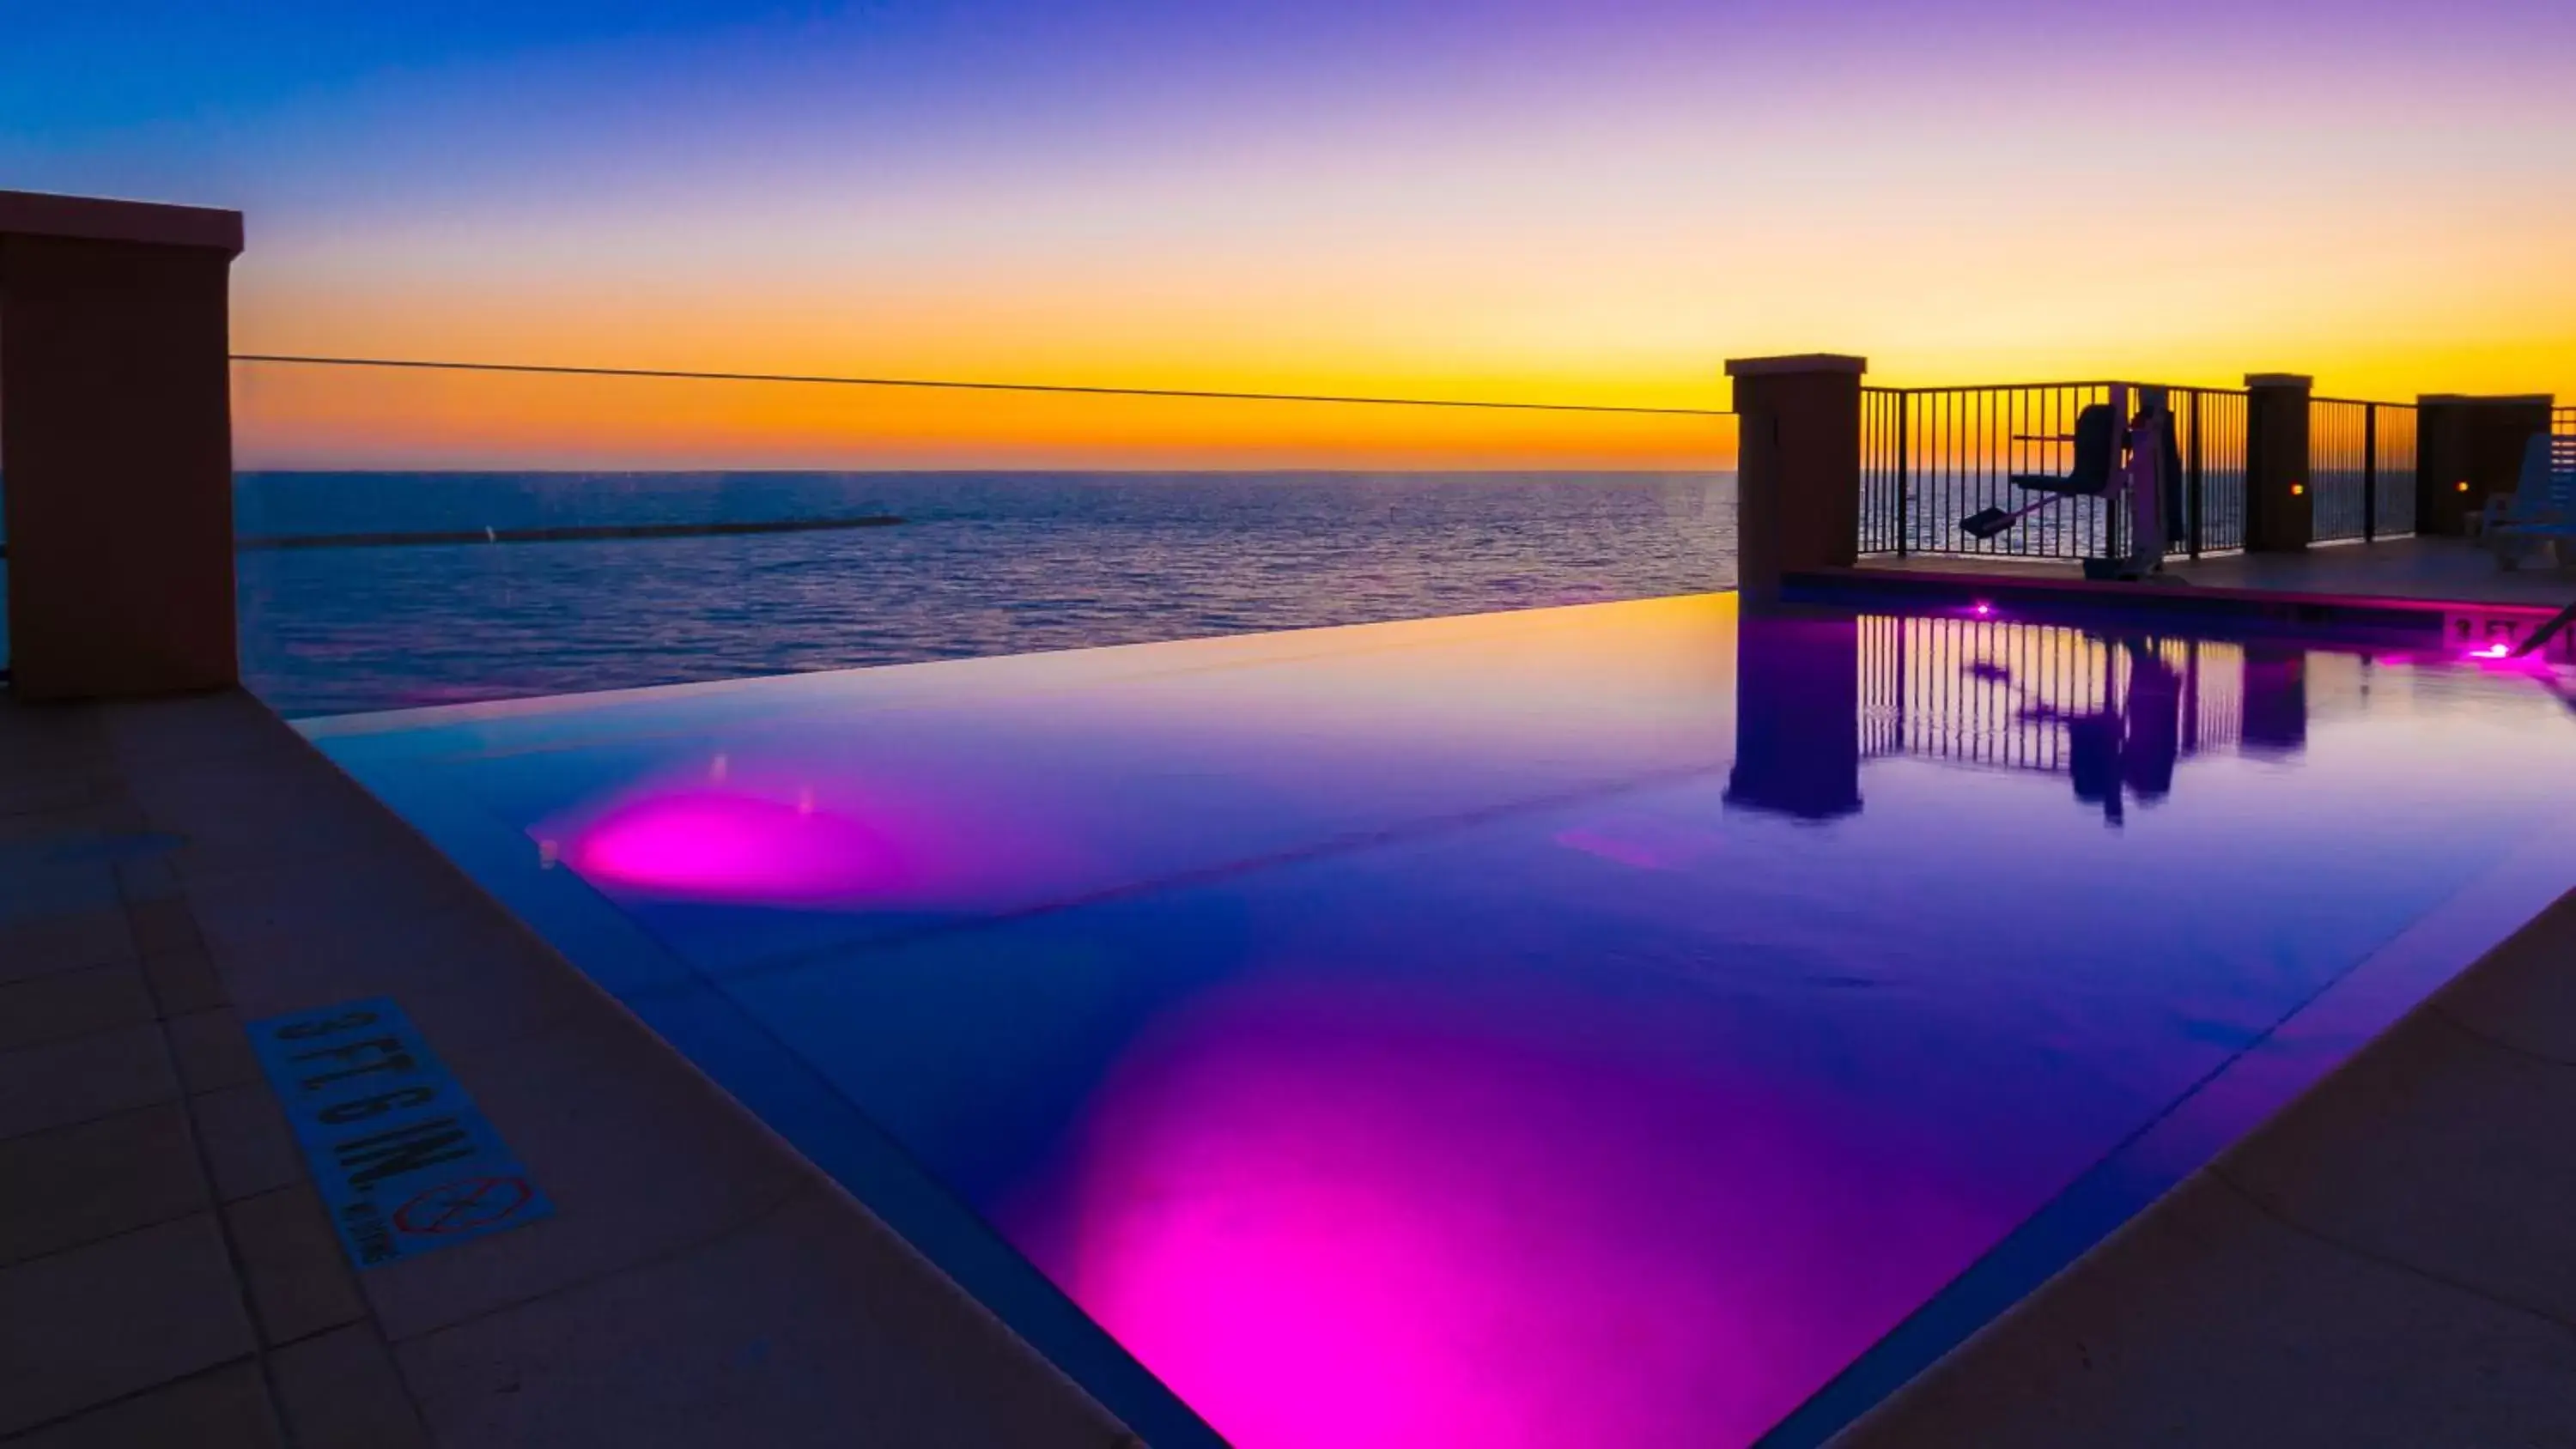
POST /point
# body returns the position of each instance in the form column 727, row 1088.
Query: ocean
column 984, row 563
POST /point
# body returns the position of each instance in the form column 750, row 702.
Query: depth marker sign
column 402, row 1159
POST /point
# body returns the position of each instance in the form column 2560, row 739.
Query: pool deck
column 2431, row 570
column 171, row 869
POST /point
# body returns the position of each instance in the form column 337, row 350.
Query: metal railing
column 2562, row 421
column 2393, row 441
column 1932, row 456
column 2213, row 423
column 2361, row 470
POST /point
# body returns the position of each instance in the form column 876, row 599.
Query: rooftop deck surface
column 2440, row 569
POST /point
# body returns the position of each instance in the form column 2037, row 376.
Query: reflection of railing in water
column 2115, row 712
column 1978, row 692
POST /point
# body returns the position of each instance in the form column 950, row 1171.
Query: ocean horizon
column 984, row 563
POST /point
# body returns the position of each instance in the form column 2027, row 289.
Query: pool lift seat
column 2095, row 472
column 2096, row 439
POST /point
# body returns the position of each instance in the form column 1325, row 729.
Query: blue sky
column 1537, row 197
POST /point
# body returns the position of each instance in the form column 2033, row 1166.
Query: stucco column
column 2467, row 448
column 116, row 445
column 2279, row 512
column 1798, row 468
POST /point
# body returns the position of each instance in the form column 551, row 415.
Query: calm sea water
column 986, row 563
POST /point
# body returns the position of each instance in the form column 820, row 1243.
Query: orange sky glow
column 1544, row 202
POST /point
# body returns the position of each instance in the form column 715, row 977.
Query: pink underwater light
column 1478, row 1233
column 725, row 844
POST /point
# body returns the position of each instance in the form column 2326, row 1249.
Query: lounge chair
column 2530, row 485
column 2542, row 510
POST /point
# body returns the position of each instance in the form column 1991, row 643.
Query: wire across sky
column 1547, row 203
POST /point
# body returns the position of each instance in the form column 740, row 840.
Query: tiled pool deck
column 167, row 1277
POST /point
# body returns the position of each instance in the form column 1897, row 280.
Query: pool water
column 1616, row 1024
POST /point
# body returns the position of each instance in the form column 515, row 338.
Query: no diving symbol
column 462, row 1205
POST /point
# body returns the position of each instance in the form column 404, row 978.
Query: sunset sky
column 1590, row 202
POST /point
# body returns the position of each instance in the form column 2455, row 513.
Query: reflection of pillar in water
column 2152, row 719
column 1797, row 717
column 2276, row 699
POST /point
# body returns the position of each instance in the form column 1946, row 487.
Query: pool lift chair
column 2549, row 628
column 2538, row 640
column 2098, row 471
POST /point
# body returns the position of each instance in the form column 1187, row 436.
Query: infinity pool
column 1623, row 1024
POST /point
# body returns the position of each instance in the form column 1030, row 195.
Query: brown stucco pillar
column 116, row 445
column 2467, row 448
column 2279, row 513
column 1798, row 467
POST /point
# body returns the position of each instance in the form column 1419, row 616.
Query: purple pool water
column 1586, row 1025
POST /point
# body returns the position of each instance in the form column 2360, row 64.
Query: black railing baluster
column 1904, row 503
column 2370, row 472
column 2199, row 495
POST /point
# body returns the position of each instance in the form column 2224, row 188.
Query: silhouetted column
column 1798, row 468
column 2278, row 508
column 2467, row 448
column 116, row 445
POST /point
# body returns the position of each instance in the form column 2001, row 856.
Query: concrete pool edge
column 2369, row 1264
